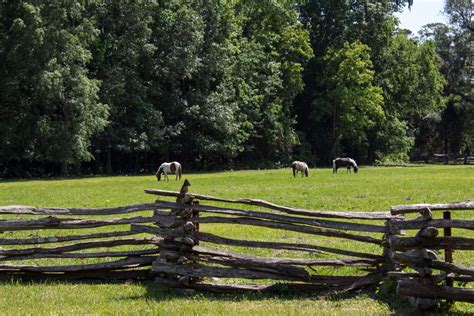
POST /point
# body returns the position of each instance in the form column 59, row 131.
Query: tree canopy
column 118, row 86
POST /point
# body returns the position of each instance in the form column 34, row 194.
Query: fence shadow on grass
column 154, row 292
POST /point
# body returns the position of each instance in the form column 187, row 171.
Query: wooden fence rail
column 284, row 209
column 415, row 208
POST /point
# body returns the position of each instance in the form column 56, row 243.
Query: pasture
column 372, row 189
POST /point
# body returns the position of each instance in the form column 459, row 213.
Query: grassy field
column 372, row 189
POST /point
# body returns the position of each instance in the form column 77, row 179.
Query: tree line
column 100, row 86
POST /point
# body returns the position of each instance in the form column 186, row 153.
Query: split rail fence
column 190, row 256
column 324, row 250
column 37, row 243
column 421, row 253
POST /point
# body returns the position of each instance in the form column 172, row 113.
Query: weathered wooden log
column 428, row 232
column 244, row 288
column 370, row 279
column 78, row 246
column 438, row 223
column 277, row 217
column 253, row 265
column 213, row 288
column 33, row 210
column 47, row 240
column 422, row 253
column 400, row 243
column 230, row 257
column 415, row 208
column 63, row 223
column 169, row 254
column 130, row 253
column 165, row 232
column 201, row 271
column 425, row 214
column 86, row 275
column 167, row 220
column 207, row 237
column 435, row 277
column 247, row 262
column 448, row 253
column 417, row 289
column 127, row 263
column 285, row 209
column 433, row 264
column 290, row 227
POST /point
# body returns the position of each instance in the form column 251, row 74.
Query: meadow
column 372, row 189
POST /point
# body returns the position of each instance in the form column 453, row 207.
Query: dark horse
column 344, row 162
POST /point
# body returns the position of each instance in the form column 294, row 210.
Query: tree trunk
column 63, row 168
column 334, row 139
column 446, row 145
column 108, row 161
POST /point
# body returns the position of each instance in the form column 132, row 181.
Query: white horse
column 169, row 167
column 300, row 166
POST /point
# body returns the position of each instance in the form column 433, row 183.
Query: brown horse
column 169, row 167
column 344, row 162
column 300, row 166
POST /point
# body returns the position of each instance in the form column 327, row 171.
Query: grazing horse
column 344, row 162
column 169, row 167
column 300, row 166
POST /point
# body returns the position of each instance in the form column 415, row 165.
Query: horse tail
column 334, row 170
column 293, row 165
column 180, row 171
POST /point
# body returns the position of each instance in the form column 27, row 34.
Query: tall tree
column 49, row 102
column 352, row 103
column 453, row 130
column 122, row 60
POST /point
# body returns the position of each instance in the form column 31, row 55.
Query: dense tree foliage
column 117, row 86
column 405, row 70
column 452, row 131
column 49, row 102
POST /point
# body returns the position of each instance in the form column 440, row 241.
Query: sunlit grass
column 372, row 189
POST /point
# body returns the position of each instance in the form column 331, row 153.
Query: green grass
column 372, row 189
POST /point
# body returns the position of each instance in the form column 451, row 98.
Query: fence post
column 176, row 250
column 389, row 264
column 195, row 215
column 425, row 277
column 448, row 253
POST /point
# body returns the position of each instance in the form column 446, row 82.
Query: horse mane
column 306, row 170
